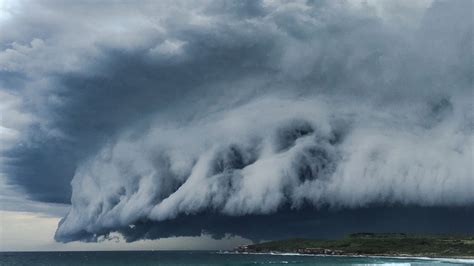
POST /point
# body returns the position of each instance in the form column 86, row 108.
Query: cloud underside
column 247, row 118
column 302, row 223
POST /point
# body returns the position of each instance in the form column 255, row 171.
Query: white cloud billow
column 274, row 153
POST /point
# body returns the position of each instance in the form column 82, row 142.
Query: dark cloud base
column 303, row 223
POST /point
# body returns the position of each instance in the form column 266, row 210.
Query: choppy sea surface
column 202, row 258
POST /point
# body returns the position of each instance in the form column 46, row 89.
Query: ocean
column 200, row 258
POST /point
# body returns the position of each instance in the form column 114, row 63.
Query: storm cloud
column 203, row 114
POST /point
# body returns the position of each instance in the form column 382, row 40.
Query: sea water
column 201, row 258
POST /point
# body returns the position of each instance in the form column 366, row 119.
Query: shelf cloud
column 171, row 118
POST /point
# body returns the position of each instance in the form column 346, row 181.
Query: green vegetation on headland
column 374, row 245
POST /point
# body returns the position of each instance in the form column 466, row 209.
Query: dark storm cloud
column 219, row 112
column 123, row 88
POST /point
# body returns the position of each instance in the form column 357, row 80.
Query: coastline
column 374, row 245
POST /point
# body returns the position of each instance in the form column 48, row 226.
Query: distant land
column 370, row 244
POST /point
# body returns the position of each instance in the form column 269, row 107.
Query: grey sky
column 185, row 118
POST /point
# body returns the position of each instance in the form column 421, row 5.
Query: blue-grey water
column 194, row 258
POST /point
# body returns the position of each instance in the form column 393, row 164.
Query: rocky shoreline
column 308, row 251
column 245, row 249
column 369, row 244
